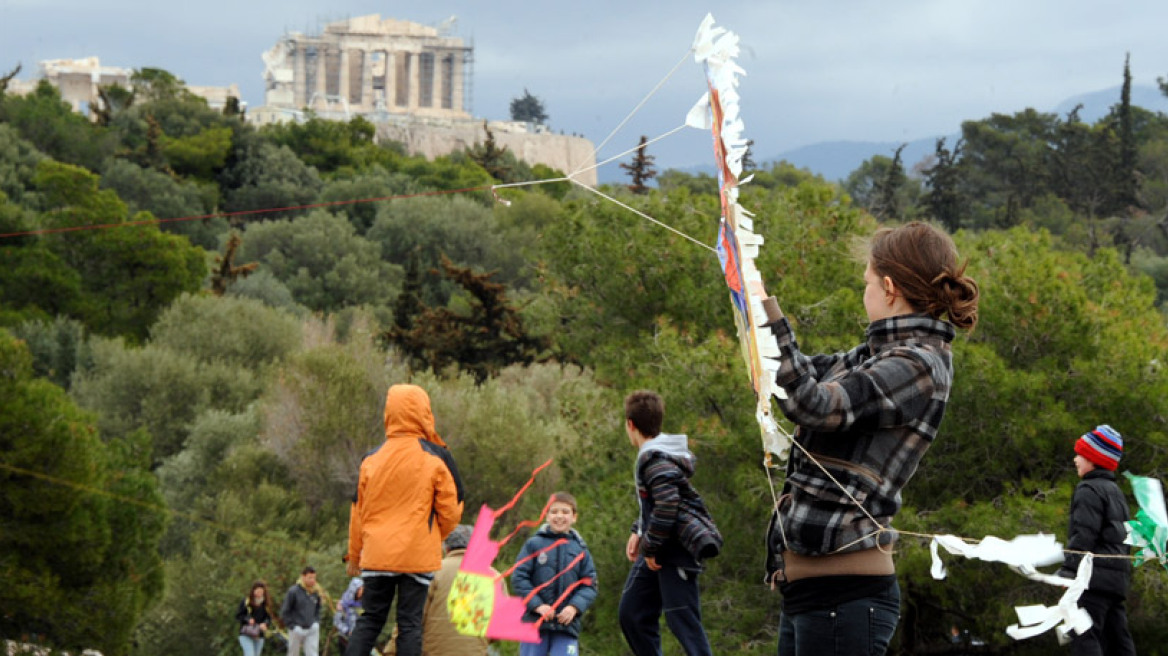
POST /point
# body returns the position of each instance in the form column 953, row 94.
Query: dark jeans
column 378, row 597
column 863, row 626
column 647, row 595
column 1108, row 633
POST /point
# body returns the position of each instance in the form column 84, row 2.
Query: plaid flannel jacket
column 867, row 416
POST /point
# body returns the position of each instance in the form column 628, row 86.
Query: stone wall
column 562, row 152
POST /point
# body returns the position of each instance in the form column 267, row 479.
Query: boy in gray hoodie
column 673, row 534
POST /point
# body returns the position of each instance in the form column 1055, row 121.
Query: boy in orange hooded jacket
column 409, row 498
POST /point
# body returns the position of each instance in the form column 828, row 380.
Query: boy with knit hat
column 1098, row 513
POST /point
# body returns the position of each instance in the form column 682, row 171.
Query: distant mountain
column 834, row 160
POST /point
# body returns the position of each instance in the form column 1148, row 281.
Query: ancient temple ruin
column 368, row 66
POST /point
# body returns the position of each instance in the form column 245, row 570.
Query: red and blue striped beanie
column 1102, row 446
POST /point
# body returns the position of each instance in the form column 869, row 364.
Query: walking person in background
column 409, row 498
column 864, row 419
column 301, row 614
column 254, row 616
column 672, row 536
column 348, row 609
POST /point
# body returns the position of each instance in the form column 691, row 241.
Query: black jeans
column 648, row 594
column 378, row 597
column 1108, row 633
column 864, row 626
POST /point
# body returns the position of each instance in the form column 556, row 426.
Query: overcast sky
column 827, row 70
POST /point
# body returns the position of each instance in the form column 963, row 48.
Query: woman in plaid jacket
column 866, row 417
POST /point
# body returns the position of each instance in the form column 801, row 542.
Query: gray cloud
column 816, row 71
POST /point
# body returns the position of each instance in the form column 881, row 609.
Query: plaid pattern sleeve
column 867, row 416
column 839, row 392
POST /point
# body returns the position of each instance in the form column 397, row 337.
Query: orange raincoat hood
column 408, row 414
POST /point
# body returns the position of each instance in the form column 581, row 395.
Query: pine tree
column 490, row 156
column 226, row 272
column 944, row 200
column 887, row 206
column 748, row 163
column 234, row 108
column 1126, row 182
column 482, row 343
column 8, row 78
column 641, row 169
column 528, row 108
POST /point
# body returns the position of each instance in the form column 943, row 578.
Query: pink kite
column 478, row 603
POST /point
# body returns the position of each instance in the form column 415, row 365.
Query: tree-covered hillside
column 199, row 320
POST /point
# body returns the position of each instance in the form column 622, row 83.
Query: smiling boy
column 541, row 560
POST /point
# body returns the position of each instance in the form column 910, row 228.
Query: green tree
column 1005, row 164
column 490, row 156
column 321, row 259
column 528, row 108
column 1083, row 170
column 332, row 146
column 154, row 84
column 58, row 347
column 945, row 200
column 167, row 197
column 1126, row 178
column 18, row 163
column 8, row 77
column 198, row 156
column 482, row 341
column 128, row 273
column 53, row 128
column 113, row 99
column 262, row 176
column 888, row 191
column 226, row 271
column 640, row 170
column 881, row 186
column 429, row 228
column 85, row 583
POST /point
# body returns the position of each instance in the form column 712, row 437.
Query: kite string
column 646, row 216
column 573, row 563
column 536, row 554
column 633, row 149
column 641, row 104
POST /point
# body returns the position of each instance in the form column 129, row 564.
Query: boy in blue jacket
column 673, row 534
column 560, row 631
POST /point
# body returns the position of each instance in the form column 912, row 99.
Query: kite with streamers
column 718, row 111
column 478, row 603
column 1024, row 554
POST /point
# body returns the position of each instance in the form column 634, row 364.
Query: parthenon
column 369, row 66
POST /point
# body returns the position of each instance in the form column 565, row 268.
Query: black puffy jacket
column 1098, row 513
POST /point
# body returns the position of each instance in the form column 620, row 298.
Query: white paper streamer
column 1024, row 554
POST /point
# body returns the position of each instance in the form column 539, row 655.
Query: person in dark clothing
column 542, row 564
column 1098, row 513
column 673, row 534
column 255, row 611
column 301, row 613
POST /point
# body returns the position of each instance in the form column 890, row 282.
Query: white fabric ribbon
column 1024, row 554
